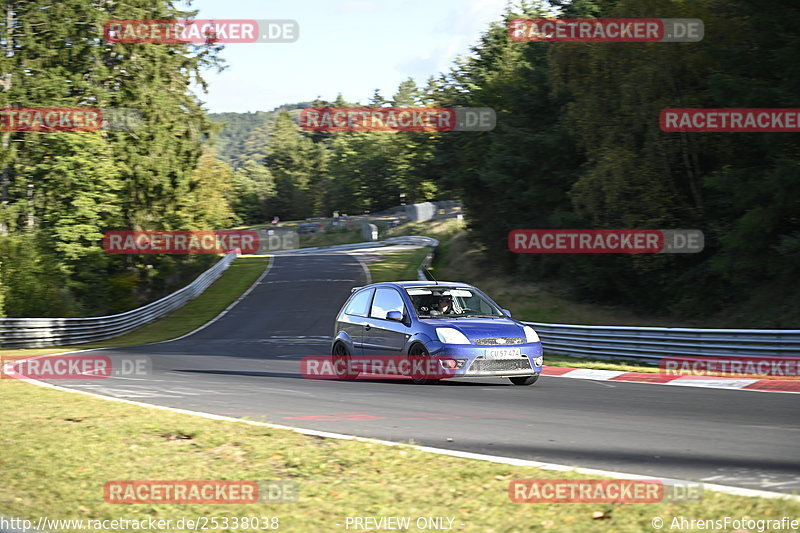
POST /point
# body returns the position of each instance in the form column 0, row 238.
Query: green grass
column 398, row 266
column 233, row 282
column 552, row 359
column 457, row 258
column 331, row 238
column 441, row 228
column 59, row 449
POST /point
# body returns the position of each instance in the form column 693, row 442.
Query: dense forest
column 61, row 190
column 577, row 145
column 232, row 136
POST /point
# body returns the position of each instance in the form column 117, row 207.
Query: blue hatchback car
column 438, row 320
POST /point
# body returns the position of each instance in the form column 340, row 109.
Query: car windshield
column 451, row 302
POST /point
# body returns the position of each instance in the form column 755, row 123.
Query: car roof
column 405, row 284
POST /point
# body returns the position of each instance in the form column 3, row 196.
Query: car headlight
column 451, row 336
column 537, row 361
column 530, row 335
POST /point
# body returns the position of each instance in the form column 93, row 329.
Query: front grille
column 495, row 341
column 495, row 365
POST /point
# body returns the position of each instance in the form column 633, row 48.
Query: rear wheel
column 419, row 354
column 525, row 380
column 342, row 362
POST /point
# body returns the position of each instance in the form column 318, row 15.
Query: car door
column 354, row 317
column 381, row 335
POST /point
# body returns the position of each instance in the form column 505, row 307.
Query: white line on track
column 364, row 267
column 226, row 310
column 720, row 384
column 737, row 491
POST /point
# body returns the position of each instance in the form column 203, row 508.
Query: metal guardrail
column 423, row 267
column 651, row 344
column 38, row 332
column 412, row 240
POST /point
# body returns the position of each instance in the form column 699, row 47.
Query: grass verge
column 552, row 359
column 398, row 266
column 58, row 455
column 59, row 450
column 331, row 238
column 328, row 237
column 459, row 259
column 233, row 282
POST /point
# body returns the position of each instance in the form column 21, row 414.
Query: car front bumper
column 475, row 361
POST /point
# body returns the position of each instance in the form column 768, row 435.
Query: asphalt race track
column 247, row 365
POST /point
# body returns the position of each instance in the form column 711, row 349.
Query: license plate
column 502, row 353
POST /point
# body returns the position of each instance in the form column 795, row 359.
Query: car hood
column 479, row 328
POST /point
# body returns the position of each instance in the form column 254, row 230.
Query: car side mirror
column 397, row 316
column 507, row 312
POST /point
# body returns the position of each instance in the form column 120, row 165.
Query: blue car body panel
column 372, row 336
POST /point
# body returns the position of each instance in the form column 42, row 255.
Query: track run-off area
column 246, row 363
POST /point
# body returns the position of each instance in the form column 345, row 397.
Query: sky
column 350, row 47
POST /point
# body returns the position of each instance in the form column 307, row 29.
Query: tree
column 206, row 204
column 60, row 191
column 253, row 188
column 407, row 95
column 292, row 161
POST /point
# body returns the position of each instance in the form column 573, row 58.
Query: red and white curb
column 712, row 382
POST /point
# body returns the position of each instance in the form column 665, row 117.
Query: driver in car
column 444, row 306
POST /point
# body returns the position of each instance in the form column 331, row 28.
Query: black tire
column 525, row 380
column 418, row 350
column 340, row 353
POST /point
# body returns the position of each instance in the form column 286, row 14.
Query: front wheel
column 342, row 364
column 419, row 351
column 525, row 380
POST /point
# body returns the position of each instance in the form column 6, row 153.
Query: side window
column 359, row 304
column 386, row 300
